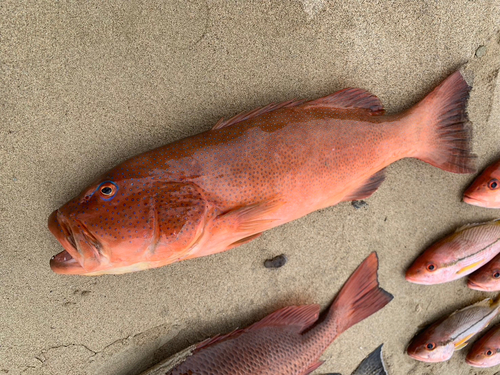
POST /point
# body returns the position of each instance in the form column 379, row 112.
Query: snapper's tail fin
column 444, row 134
column 360, row 297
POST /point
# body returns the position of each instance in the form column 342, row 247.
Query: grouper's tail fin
column 444, row 138
column 360, row 296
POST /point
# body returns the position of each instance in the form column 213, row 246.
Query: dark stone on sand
column 275, row 262
column 359, row 204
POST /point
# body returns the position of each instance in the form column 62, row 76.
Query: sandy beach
column 86, row 85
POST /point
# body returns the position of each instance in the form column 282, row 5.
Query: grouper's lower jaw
column 63, row 263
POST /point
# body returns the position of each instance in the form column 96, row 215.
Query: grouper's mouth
column 71, row 260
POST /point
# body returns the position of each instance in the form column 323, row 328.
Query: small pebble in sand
column 275, row 262
column 481, row 51
column 359, row 204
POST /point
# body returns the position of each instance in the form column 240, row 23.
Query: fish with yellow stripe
column 457, row 255
column 439, row 341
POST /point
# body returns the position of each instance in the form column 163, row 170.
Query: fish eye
column 108, row 190
column 431, row 267
column 496, row 275
column 431, row 346
column 489, row 353
column 493, row 184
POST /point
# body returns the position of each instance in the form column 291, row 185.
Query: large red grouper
column 290, row 341
column 222, row 188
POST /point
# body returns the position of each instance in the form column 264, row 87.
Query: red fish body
column 485, row 190
column 219, row 189
column 439, row 341
column 287, row 342
column 457, row 255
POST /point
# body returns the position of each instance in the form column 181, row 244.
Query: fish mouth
column 472, row 201
column 413, row 278
column 476, row 364
column 73, row 260
column 472, row 285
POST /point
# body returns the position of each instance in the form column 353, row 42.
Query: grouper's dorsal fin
column 350, row 98
column 256, row 112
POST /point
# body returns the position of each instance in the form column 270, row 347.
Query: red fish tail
column 444, row 135
column 360, row 297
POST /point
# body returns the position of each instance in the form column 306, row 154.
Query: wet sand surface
column 85, row 85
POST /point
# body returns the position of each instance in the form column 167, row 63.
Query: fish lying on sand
column 289, row 341
column 457, row 255
column 371, row 365
column 222, row 188
column 487, row 278
column 485, row 190
column 485, row 352
column 438, row 342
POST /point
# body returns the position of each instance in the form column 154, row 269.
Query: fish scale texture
column 266, row 351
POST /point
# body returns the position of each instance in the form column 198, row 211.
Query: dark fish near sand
column 371, row 365
column 219, row 189
column 438, row 342
column 485, row 352
column 290, row 341
column 485, row 190
column 457, row 255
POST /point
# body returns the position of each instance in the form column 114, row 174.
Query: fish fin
column 373, row 364
column 469, row 267
column 349, row 99
column 360, row 297
column 472, row 225
column 444, row 136
column 218, row 338
column 463, row 343
column 312, row 367
column 300, row 317
column 249, row 219
column 367, row 188
column 244, row 241
column 255, row 113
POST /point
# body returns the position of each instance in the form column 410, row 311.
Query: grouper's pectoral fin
column 244, row 241
column 367, row 188
column 237, row 227
column 252, row 219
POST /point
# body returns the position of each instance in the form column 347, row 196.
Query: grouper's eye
column 107, row 190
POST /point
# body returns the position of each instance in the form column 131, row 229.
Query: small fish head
column 434, row 266
column 485, row 190
column 106, row 227
column 486, row 279
column 484, row 356
column 426, row 348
